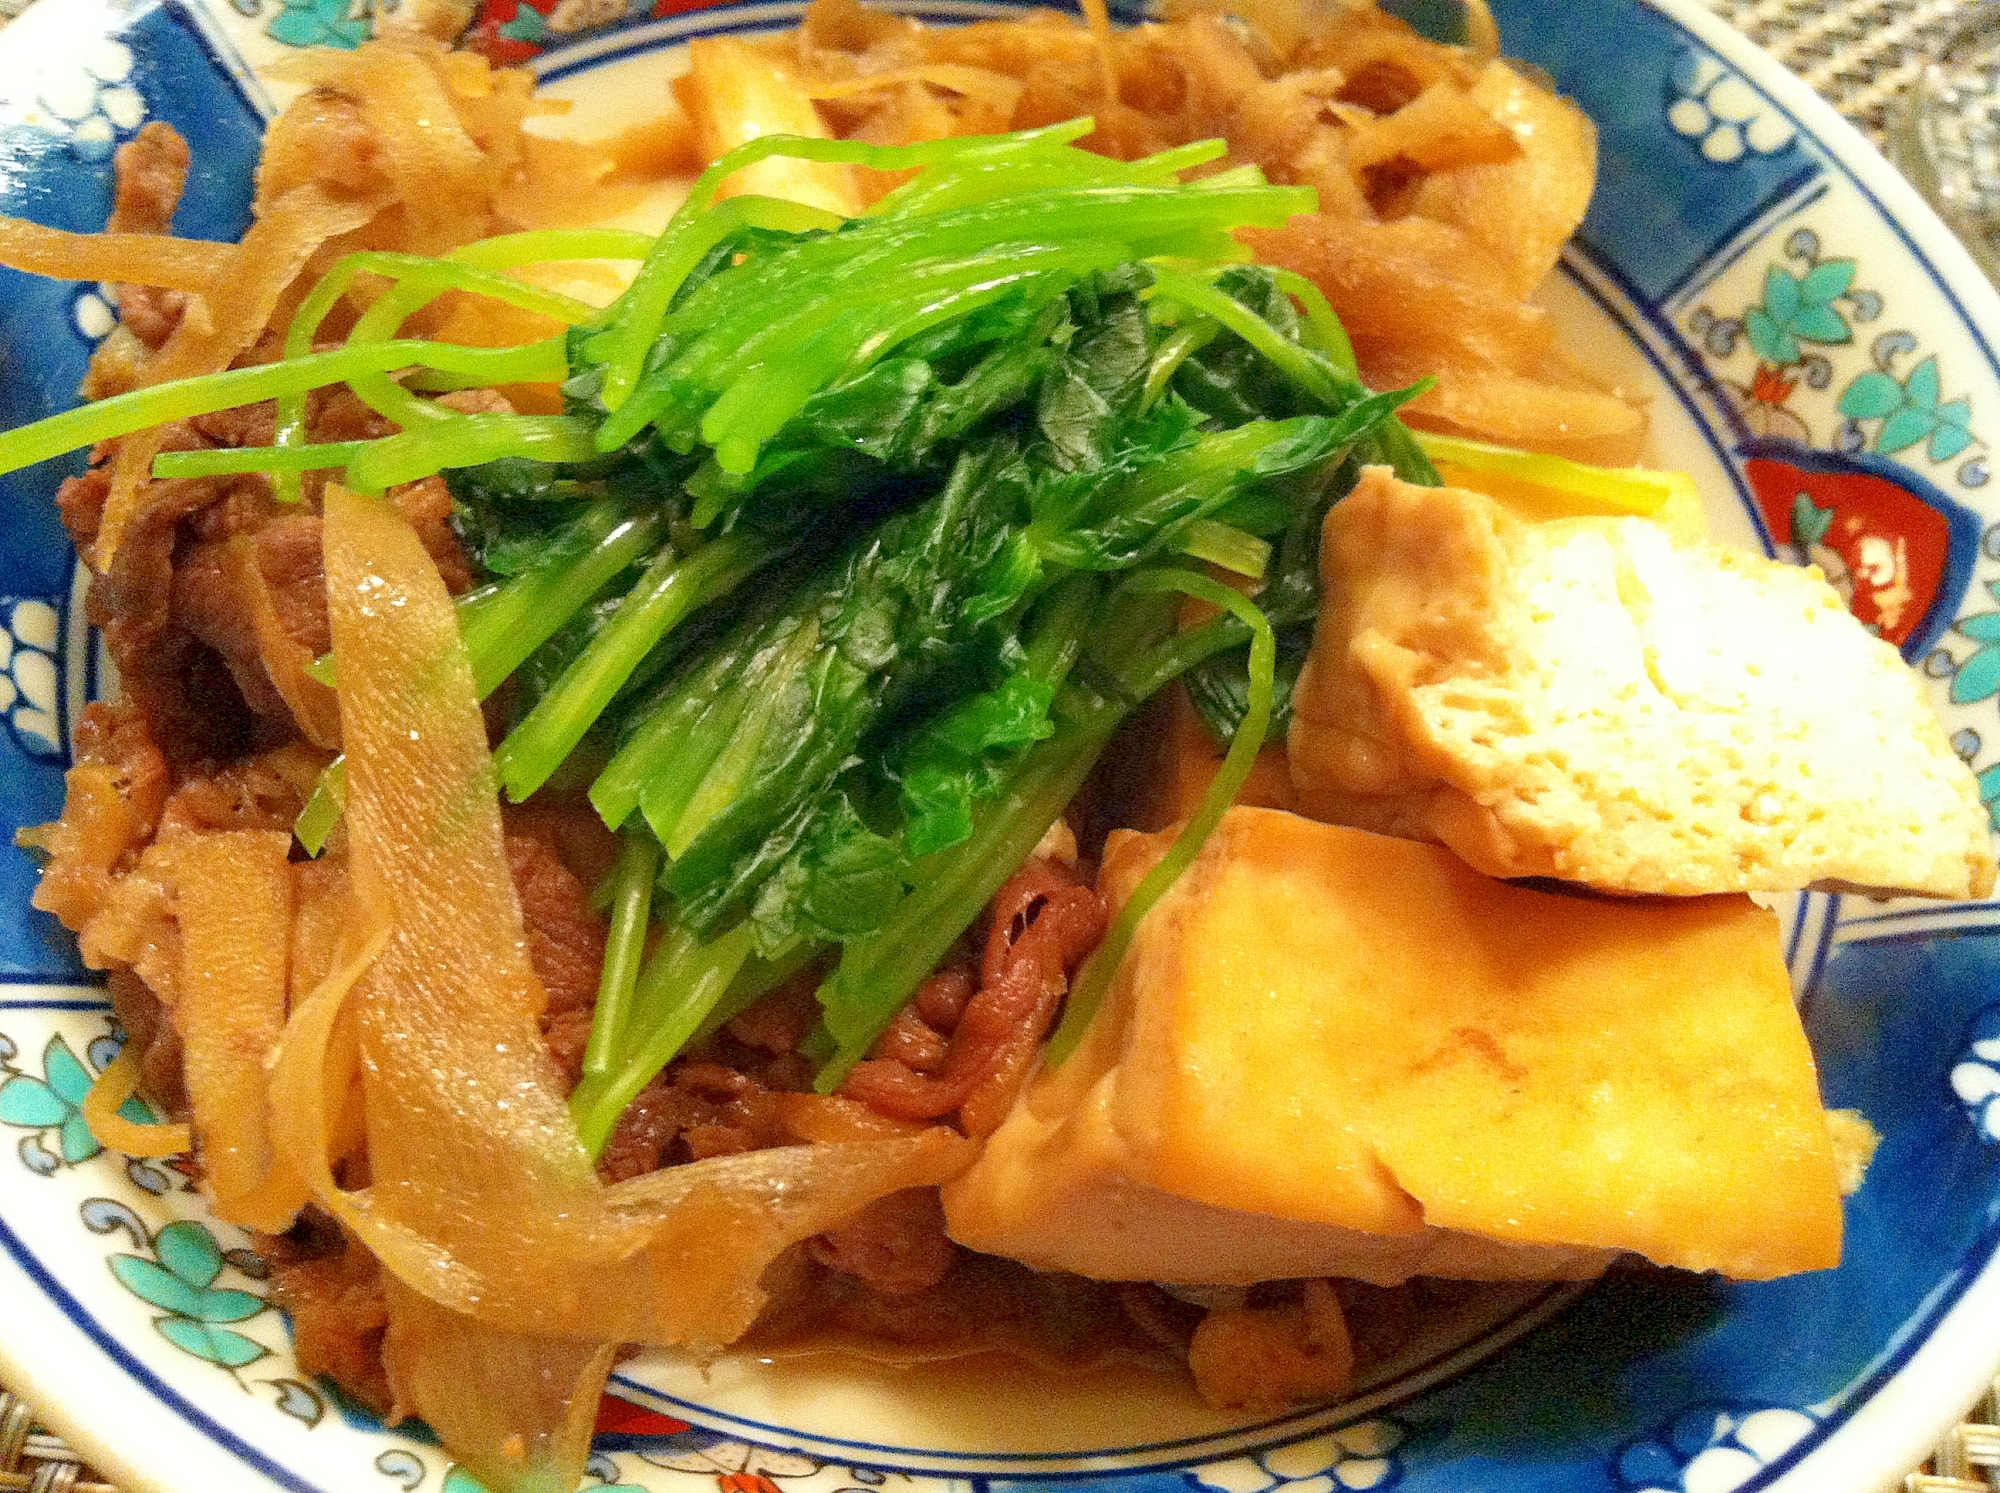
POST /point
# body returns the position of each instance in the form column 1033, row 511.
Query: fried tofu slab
column 1588, row 699
column 1328, row 1052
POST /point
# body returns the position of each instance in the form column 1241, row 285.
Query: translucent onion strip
column 234, row 905
column 103, row 1112
column 483, row 1199
column 122, row 258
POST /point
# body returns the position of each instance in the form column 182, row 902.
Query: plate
column 1817, row 351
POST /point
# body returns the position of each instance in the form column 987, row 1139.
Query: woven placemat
column 1858, row 54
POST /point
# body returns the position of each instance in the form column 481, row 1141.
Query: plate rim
column 1885, row 1417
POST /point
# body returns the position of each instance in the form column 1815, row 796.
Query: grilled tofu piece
column 1584, row 698
column 1328, row 1052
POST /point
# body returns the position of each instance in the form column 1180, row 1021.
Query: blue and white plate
column 1816, row 349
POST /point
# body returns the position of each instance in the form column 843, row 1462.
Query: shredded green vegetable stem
column 1087, row 994
column 323, row 810
column 141, row 409
column 636, row 314
column 229, row 460
column 468, row 441
column 676, row 992
column 1287, row 357
column 671, row 588
column 624, row 950
column 1320, row 320
column 472, row 264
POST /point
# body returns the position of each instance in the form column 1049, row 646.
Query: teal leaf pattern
column 52, row 1102
column 1810, row 522
column 180, row 1281
column 1923, row 385
column 1989, row 793
column 1983, row 627
column 1910, row 411
column 318, row 23
column 528, row 25
column 1827, row 282
column 1800, row 309
column 190, row 1251
column 65, row 1071
column 1953, row 433
column 30, row 1103
column 231, row 1350
column 1772, row 342
column 156, row 1285
column 1871, row 396
column 1903, row 430
column 78, row 1144
column 1978, row 677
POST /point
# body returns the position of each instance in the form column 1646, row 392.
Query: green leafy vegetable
column 855, row 542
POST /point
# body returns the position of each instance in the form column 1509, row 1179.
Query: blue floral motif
column 180, row 1281
column 1711, row 1449
column 30, row 701
column 52, row 1107
column 93, row 102
column 1355, row 1457
column 1722, row 114
column 405, row 1469
column 1975, row 1077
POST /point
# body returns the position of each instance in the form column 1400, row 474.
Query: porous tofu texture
column 1585, row 699
column 1332, row 1053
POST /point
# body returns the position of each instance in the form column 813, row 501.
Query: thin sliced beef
column 151, row 170
column 978, row 1050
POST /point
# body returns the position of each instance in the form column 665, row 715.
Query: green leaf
column 227, row 1306
column 1821, row 324
column 218, row 1345
column 1871, row 396
column 1904, row 429
column 1948, row 440
column 1978, row 678
column 138, row 1111
column 1770, row 341
column 1827, row 281
column 66, row 1075
column 1922, row 385
column 156, row 1284
column 529, row 25
column 31, row 1104
column 1809, row 521
column 296, row 26
column 78, row 1144
column 1983, row 627
column 190, row 1251
column 1782, row 297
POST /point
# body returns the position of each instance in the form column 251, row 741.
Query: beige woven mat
column 1859, row 54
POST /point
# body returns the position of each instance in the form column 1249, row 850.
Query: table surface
column 1859, row 55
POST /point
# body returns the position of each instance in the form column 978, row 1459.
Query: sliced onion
column 116, row 1084
column 482, row 1198
column 234, row 906
column 216, row 330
